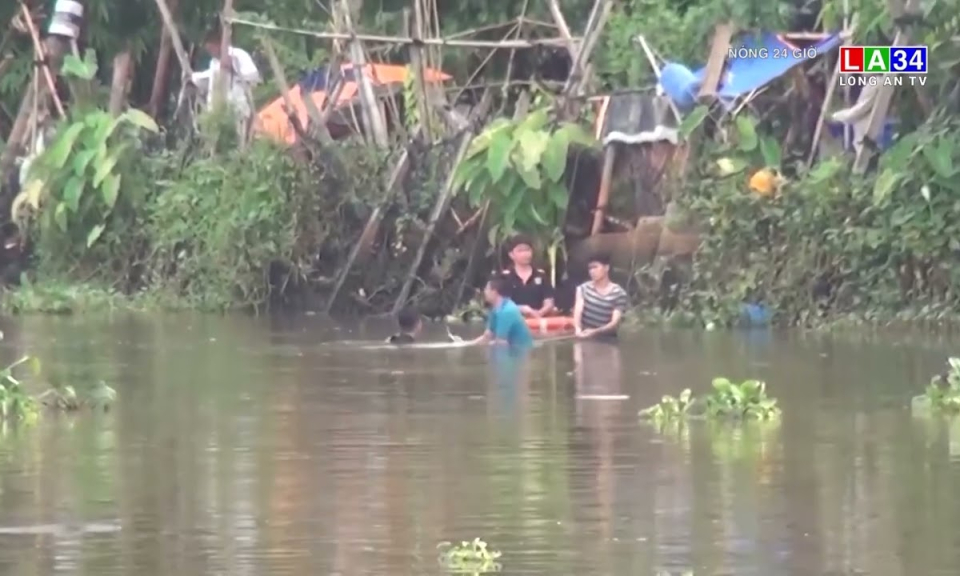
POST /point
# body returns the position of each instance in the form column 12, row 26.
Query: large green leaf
column 141, row 120
column 530, row 177
column 575, row 134
column 693, row 120
column 483, row 140
column 884, row 186
column 60, row 216
column 466, row 172
column 534, row 122
column 110, row 189
column 770, row 150
column 558, row 195
column 94, row 234
column 747, row 134
column 940, row 159
column 530, row 148
column 72, row 191
column 554, row 159
column 81, row 160
column 498, row 156
column 56, row 156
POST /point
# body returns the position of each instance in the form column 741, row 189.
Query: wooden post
column 122, row 68
column 438, row 209
column 54, row 47
column 578, row 77
column 881, row 105
column 161, row 72
column 603, row 194
column 373, row 121
column 722, row 36
column 224, row 76
column 415, row 24
column 373, row 223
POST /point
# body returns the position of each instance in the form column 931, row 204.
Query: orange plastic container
column 550, row 325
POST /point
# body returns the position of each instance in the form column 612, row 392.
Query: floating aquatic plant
column 943, row 393
column 747, row 400
column 468, row 557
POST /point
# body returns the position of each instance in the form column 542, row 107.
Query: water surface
column 248, row 446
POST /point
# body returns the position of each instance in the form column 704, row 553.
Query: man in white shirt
column 244, row 74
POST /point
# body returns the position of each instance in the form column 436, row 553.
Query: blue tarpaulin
column 742, row 75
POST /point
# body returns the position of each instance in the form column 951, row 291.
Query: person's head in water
column 409, row 321
column 213, row 40
column 495, row 291
column 521, row 250
column 599, row 268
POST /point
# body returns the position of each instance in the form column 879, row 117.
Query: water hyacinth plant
column 468, row 557
column 747, row 400
column 943, row 393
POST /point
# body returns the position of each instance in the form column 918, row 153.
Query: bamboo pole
column 373, row 120
column 438, row 209
column 468, row 271
column 281, row 80
column 160, row 75
column 603, row 194
column 406, row 40
column 563, row 28
column 373, row 222
column 171, row 28
column 414, row 23
column 225, row 72
column 54, row 47
column 42, row 56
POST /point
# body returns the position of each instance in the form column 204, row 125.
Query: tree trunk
column 122, row 68
column 162, row 73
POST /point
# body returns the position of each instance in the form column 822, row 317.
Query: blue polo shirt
column 506, row 323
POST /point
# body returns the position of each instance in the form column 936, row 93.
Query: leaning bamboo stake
column 415, row 24
column 171, row 28
column 373, row 222
column 563, row 28
column 281, row 80
column 42, row 56
column 438, row 209
column 55, row 46
column 406, row 40
column 468, row 271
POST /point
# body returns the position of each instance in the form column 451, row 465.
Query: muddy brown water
column 248, row 446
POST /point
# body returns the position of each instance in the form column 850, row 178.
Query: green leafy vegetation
column 17, row 405
column 519, row 167
column 747, row 400
column 473, row 557
column 942, row 395
column 728, row 400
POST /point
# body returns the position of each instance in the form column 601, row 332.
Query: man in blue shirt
column 505, row 324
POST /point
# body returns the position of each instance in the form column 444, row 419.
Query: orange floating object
column 272, row 119
column 550, row 325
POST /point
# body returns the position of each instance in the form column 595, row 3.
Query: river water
column 248, row 446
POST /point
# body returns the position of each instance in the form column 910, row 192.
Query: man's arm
column 549, row 305
column 619, row 308
column 487, row 335
column 578, row 311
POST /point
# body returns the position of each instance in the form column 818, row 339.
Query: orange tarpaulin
column 272, row 120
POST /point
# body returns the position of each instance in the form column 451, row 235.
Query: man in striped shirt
column 600, row 304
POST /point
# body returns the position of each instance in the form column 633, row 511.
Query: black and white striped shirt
column 598, row 307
